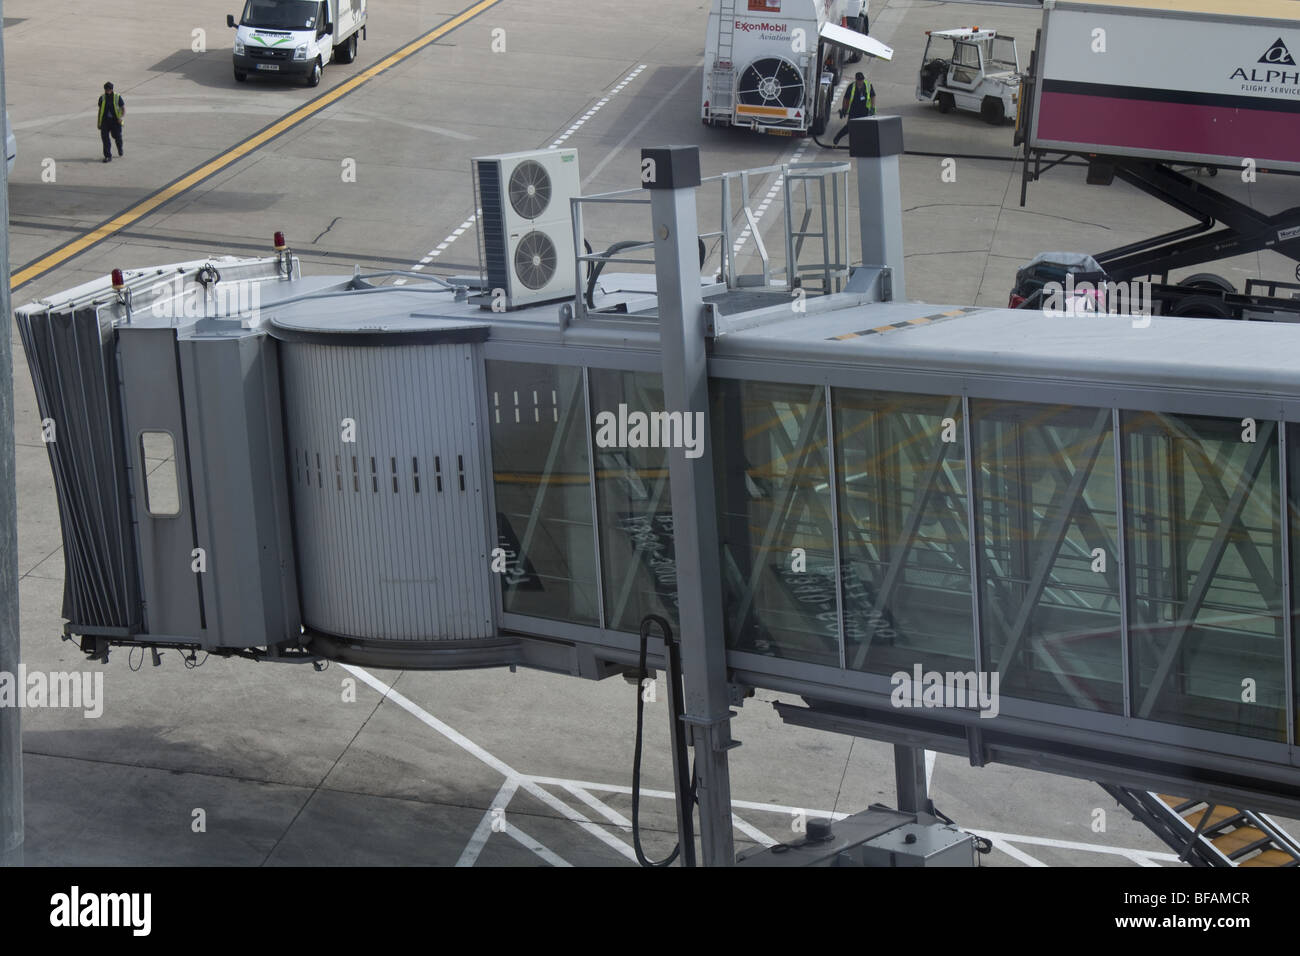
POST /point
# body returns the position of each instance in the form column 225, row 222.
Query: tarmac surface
column 293, row 766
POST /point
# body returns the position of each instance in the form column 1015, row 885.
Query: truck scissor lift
column 1221, row 106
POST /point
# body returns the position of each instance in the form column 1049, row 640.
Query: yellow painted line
column 213, row 166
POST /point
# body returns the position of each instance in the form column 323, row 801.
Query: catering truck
column 296, row 37
column 1141, row 90
column 772, row 65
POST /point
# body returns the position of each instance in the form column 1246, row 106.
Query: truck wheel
column 1208, row 282
column 992, row 112
column 1201, row 307
column 946, row 103
column 348, row 51
column 313, row 78
column 240, row 76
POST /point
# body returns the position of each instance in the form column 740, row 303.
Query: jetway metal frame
column 1046, row 463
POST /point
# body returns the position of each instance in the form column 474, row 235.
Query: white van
column 296, row 37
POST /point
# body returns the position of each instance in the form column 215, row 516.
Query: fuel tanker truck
column 772, row 65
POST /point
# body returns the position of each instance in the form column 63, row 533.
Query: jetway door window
column 1202, row 517
column 633, row 496
column 1049, row 552
column 538, row 423
column 904, row 543
column 158, row 466
column 776, row 519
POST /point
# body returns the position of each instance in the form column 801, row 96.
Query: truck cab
column 971, row 69
column 295, row 37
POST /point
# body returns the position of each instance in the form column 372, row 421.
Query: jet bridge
column 1059, row 544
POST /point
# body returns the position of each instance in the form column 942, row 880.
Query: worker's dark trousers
column 114, row 130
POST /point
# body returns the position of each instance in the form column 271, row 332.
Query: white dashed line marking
column 464, row 226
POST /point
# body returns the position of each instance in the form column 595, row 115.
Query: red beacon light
column 280, row 244
column 119, row 280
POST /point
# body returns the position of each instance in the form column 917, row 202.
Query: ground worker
column 112, row 114
column 859, row 100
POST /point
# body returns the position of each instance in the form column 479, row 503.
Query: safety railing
column 815, row 200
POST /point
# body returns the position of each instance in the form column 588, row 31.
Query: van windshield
column 281, row 14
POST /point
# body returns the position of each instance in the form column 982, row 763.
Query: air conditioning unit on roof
column 525, row 228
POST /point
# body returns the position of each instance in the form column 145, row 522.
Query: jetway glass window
column 904, row 540
column 776, row 519
column 633, row 498
column 538, row 425
column 1049, row 552
column 1203, row 521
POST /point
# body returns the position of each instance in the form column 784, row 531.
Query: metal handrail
column 833, row 268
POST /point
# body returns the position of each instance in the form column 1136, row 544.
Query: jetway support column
column 909, row 777
column 876, row 142
column 672, row 175
column 11, row 728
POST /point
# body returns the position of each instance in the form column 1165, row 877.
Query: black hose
column 650, row 619
column 594, row 273
column 595, row 269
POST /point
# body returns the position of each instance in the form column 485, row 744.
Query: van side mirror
column 230, row 20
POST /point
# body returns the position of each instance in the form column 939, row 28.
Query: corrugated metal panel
column 392, row 534
column 70, row 355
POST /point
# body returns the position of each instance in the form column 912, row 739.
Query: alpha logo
column 1278, row 54
column 1271, row 81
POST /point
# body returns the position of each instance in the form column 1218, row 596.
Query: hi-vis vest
column 853, row 93
column 113, row 102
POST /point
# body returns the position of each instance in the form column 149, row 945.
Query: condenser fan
column 771, row 81
column 530, row 189
column 535, row 260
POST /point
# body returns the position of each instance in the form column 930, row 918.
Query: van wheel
column 348, row 51
column 992, row 112
column 240, row 76
column 313, row 79
column 946, row 103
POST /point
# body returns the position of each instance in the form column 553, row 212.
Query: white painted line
column 1070, row 844
column 1003, row 841
column 604, row 809
column 669, row 795
column 929, row 768
column 484, row 829
column 500, row 766
column 1015, row 854
column 457, row 233
column 536, row 847
column 754, row 833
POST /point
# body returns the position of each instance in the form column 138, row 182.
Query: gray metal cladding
column 392, row 534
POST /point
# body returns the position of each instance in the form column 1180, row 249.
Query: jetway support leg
column 672, row 175
column 909, row 777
